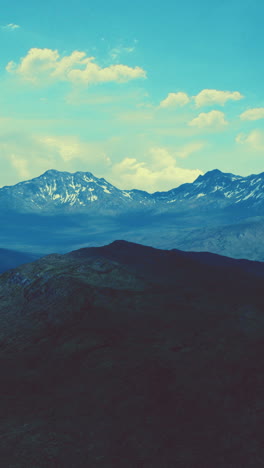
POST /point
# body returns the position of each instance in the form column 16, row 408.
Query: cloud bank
column 160, row 172
column 253, row 114
column 206, row 97
column 175, row 100
column 24, row 156
column 213, row 119
column 42, row 66
column 210, row 97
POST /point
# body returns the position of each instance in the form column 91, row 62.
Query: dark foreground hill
column 127, row 356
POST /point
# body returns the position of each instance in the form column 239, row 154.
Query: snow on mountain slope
column 216, row 186
column 55, row 189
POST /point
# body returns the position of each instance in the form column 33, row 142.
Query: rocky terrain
column 127, row 356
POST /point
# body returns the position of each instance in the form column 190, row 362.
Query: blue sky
column 148, row 95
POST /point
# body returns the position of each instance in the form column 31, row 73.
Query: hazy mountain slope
column 129, row 356
column 11, row 259
column 45, row 234
column 242, row 240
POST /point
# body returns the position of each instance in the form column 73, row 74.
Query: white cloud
column 21, row 166
column 11, row 27
column 161, row 172
column 213, row 119
column 253, row 140
column 253, row 114
column 66, row 147
column 175, row 100
column 116, row 52
column 210, row 97
column 40, row 66
column 189, row 148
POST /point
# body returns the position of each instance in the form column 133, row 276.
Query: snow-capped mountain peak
column 64, row 190
column 218, row 187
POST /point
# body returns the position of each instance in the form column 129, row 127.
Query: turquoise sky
column 148, row 95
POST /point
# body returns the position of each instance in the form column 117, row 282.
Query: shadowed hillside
column 128, row 356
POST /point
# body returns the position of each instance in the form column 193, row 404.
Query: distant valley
column 10, row 259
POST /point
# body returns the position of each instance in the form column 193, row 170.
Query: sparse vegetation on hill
column 127, row 356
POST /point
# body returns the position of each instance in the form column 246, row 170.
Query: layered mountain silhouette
column 58, row 212
column 128, row 356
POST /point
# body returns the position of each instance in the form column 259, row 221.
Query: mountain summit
column 224, row 188
column 55, row 190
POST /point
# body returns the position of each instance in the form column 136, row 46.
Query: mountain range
column 57, row 212
column 78, row 192
column 127, row 356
